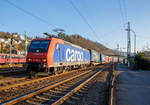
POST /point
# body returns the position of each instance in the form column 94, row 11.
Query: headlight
column 44, row 60
column 29, row 59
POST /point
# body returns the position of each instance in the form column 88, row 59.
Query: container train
column 54, row 55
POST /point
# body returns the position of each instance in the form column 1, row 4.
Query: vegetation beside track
column 142, row 61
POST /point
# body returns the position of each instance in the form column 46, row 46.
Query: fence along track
column 17, row 100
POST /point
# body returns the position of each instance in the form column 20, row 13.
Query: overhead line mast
column 128, row 41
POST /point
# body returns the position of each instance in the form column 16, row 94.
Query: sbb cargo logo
column 73, row 55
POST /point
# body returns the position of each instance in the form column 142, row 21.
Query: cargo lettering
column 73, row 55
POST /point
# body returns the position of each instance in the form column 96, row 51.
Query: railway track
column 12, row 71
column 8, row 92
column 8, row 65
column 10, row 82
column 58, row 92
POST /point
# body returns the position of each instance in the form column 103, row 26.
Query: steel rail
column 19, row 99
column 11, row 71
column 35, row 80
column 20, row 79
column 112, row 92
column 12, row 80
column 69, row 94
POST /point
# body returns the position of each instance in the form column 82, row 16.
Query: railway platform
column 132, row 87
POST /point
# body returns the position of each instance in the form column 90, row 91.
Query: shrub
column 142, row 61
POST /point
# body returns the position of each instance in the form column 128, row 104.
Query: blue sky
column 103, row 15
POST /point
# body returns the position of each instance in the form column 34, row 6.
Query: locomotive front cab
column 37, row 54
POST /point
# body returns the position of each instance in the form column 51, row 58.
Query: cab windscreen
column 39, row 46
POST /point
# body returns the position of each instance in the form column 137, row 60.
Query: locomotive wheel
column 47, row 70
column 30, row 74
column 56, row 71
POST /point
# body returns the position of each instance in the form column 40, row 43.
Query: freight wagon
column 110, row 59
column 102, row 58
column 95, row 57
column 107, row 59
column 115, row 59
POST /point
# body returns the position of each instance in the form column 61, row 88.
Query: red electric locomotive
column 53, row 55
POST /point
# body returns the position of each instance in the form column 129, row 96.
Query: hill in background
column 19, row 42
column 86, row 43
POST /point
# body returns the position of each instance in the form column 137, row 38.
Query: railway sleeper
column 69, row 102
column 32, row 102
column 73, row 100
column 82, row 91
column 64, row 87
column 84, row 88
column 58, row 92
column 42, row 98
column 67, row 85
column 76, row 97
column 60, row 89
column 47, row 98
column 57, row 96
column 79, row 94
column 52, row 96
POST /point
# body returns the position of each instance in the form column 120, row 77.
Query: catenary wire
column 122, row 13
column 30, row 14
column 83, row 18
column 125, row 10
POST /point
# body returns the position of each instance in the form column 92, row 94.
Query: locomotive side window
column 39, row 46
